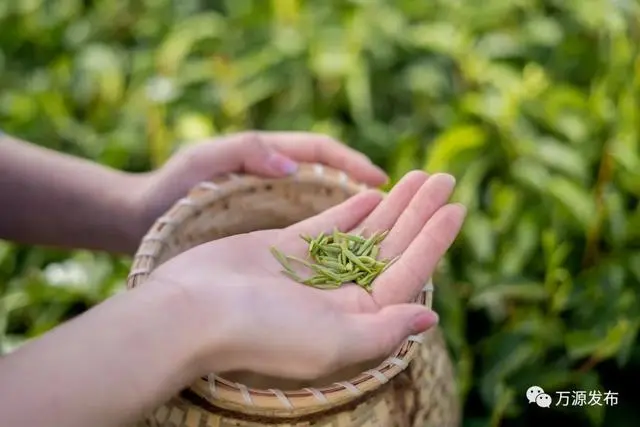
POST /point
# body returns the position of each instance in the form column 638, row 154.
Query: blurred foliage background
column 534, row 105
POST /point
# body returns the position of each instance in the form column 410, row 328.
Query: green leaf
column 505, row 355
column 502, row 293
column 589, row 382
column 581, row 344
column 628, row 344
column 13, row 301
column 575, row 199
column 504, row 399
column 403, row 159
column 531, row 174
column 468, row 188
column 194, row 127
column 358, row 91
column 182, row 39
column 479, row 236
column 530, row 321
column 499, row 45
column 563, row 291
column 442, row 37
column 427, row 78
column 5, row 251
column 329, row 57
column 543, row 31
column 446, row 147
column 616, row 218
column 561, row 157
column 518, row 250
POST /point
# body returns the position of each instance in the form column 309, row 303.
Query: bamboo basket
column 414, row 387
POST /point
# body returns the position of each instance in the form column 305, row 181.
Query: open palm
column 288, row 329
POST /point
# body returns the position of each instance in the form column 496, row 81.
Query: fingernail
column 379, row 169
column 451, row 180
column 282, row 164
column 382, row 173
column 463, row 209
column 424, row 321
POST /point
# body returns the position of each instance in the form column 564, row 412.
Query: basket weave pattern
column 394, row 393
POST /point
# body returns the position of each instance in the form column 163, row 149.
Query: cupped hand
column 274, row 326
column 268, row 154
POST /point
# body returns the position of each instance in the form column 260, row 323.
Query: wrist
column 200, row 331
column 128, row 201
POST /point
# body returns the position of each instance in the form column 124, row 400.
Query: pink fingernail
column 282, row 163
column 424, row 321
column 462, row 208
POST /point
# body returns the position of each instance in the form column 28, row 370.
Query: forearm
column 49, row 198
column 107, row 367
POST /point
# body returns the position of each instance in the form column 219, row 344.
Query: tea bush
column 532, row 104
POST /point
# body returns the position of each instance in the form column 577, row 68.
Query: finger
column 316, row 148
column 237, row 153
column 343, row 216
column 387, row 213
column 431, row 196
column 377, row 335
column 407, row 276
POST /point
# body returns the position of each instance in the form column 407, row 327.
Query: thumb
column 379, row 334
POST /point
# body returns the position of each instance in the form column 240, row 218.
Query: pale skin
column 207, row 310
column 93, row 207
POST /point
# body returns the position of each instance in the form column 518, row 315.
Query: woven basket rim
column 234, row 396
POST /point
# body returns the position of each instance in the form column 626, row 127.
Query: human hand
column 270, row 325
column 268, row 154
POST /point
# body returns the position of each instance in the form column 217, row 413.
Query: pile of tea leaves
column 338, row 258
